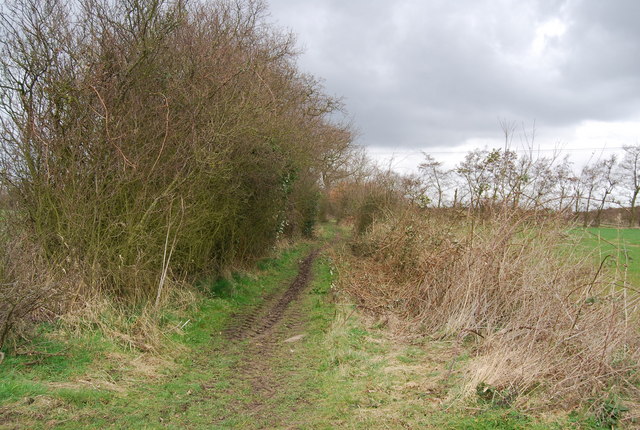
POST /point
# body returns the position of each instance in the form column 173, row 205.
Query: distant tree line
column 531, row 182
column 490, row 179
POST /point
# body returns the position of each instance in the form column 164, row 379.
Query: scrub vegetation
column 145, row 144
column 543, row 320
column 190, row 239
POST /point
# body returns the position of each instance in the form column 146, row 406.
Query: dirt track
column 260, row 321
column 261, row 336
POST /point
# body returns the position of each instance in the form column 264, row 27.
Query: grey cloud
column 416, row 73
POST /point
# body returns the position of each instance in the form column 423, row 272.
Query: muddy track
column 261, row 336
column 262, row 319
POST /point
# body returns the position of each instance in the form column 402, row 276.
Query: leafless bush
column 30, row 287
column 542, row 317
column 145, row 140
column 144, row 143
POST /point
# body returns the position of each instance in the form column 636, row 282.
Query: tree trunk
column 586, row 211
column 632, row 221
column 600, row 209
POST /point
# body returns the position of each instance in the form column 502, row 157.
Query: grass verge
column 545, row 329
column 85, row 378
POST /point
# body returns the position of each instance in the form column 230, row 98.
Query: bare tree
column 563, row 179
column 589, row 180
column 414, row 189
column 475, row 176
column 163, row 123
column 435, row 177
column 608, row 181
column 337, row 155
column 630, row 177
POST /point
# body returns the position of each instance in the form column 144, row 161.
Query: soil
column 260, row 321
column 265, row 336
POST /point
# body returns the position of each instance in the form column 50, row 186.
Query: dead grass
column 543, row 325
column 136, row 329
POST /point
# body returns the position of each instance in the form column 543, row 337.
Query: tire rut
column 264, row 331
column 259, row 321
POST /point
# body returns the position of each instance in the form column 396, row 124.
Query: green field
column 621, row 245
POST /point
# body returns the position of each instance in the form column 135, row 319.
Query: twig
column 575, row 321
column 166, row 133
column 106, row 127
column 470, row 330
column 167, row 258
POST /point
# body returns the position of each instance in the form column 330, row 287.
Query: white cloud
column 547, row 34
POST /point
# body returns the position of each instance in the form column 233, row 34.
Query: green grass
column 48, row 359
column 620, row 246
column 73, row 376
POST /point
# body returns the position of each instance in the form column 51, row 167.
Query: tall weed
column 540, row 316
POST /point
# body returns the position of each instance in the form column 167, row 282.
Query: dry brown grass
column 34, row 288
column 135, row 329
column 537, row 315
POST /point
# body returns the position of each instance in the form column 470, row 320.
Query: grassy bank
column 543, row 327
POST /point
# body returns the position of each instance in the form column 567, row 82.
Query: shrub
column 154, row 138
column 30, row 286
column 544, row 319
column 146, row 142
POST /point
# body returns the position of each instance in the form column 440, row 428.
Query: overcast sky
column 438, row 75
